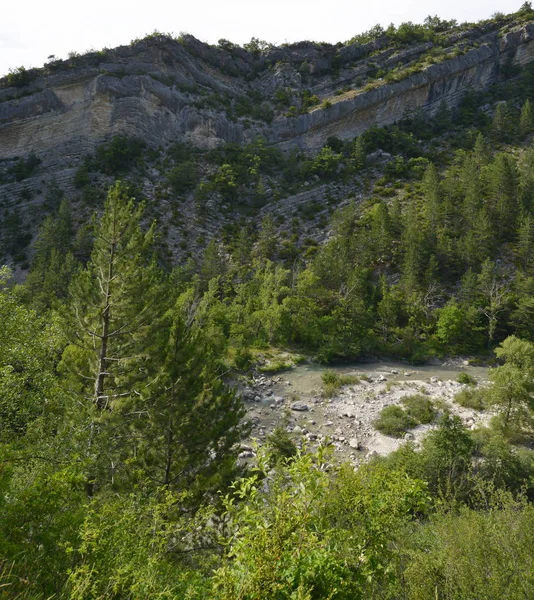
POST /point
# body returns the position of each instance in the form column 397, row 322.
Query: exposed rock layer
column 151, row 90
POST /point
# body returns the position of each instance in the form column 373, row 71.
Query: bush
column 280, row 445
column 276, row 366
column 183, row 178
column 471, row 398
column 118, row 155
column 25, row 167
column 394, row 421
column 419, row 408
column 466, row 379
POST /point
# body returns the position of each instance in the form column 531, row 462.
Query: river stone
column 354, row 443
column 299, row 406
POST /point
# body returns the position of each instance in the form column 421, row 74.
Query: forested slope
column 159, row 278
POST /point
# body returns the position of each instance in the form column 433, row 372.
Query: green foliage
column 394, row 421
column 513, row 388
column 19, row 77
column 118, row 156
column 183, row 178
column 466, row 379
column 419, row 407
column 280, row 445
column 28, row 386
column 475, row 554
column 25, row 167
column 471, row 398
column 313, row 543
column 124, row 546
column 333, row 381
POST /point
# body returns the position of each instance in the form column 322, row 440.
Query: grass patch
column 276, row 366
column 332, row 381
column 394, row 421
column 471, row 398
column 419, row 408
column 466, row 379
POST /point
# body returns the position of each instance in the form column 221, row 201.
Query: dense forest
column 120, row 421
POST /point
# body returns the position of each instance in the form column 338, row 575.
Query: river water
column 305, row 379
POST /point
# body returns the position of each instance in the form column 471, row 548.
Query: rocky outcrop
column 161, row 90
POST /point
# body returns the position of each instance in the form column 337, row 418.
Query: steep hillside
column 165, row 112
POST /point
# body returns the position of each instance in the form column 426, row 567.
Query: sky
column 32, row 30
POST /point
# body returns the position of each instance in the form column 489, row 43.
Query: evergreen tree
column 503, row 184
column 433, row 198
column 266, row 245
column 526, row 119
column 115, row 305
column 359, row 155
column 53, row 263
column 501, row 125
column 188, row 420
column 213, row 264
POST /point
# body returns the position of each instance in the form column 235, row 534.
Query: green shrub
column 394, row 421
column 471, row 398
column 25, row 167
column 419, row 408
column 466, row 379
column 119, row 155
column 280, row 444
column 184, row 177
column 19, row 77
column 275, row 367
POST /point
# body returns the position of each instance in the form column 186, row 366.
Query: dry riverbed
column 294, row 400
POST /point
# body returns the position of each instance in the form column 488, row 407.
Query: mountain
column 165, row 94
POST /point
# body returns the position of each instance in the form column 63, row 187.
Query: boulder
column 354, row 444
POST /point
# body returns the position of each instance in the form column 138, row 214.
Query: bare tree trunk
column 101, row 399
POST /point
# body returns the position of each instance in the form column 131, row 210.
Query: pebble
column 299, row 406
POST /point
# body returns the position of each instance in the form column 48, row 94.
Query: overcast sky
column 31, row 30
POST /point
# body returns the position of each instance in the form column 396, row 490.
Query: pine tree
column 115, row 304
column 481, row 153
column 53, row 263
column 432, row 197
column 525, row 242
column 502, row 125
column 266, row 245
column 188, row 420
column 503, row 184
column 526, row 119
column 213, row 264
column 358, row 154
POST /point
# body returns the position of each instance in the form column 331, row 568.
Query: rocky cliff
column 161, row 90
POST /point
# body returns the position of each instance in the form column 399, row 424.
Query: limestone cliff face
column 353, row 114
column 161, row 91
